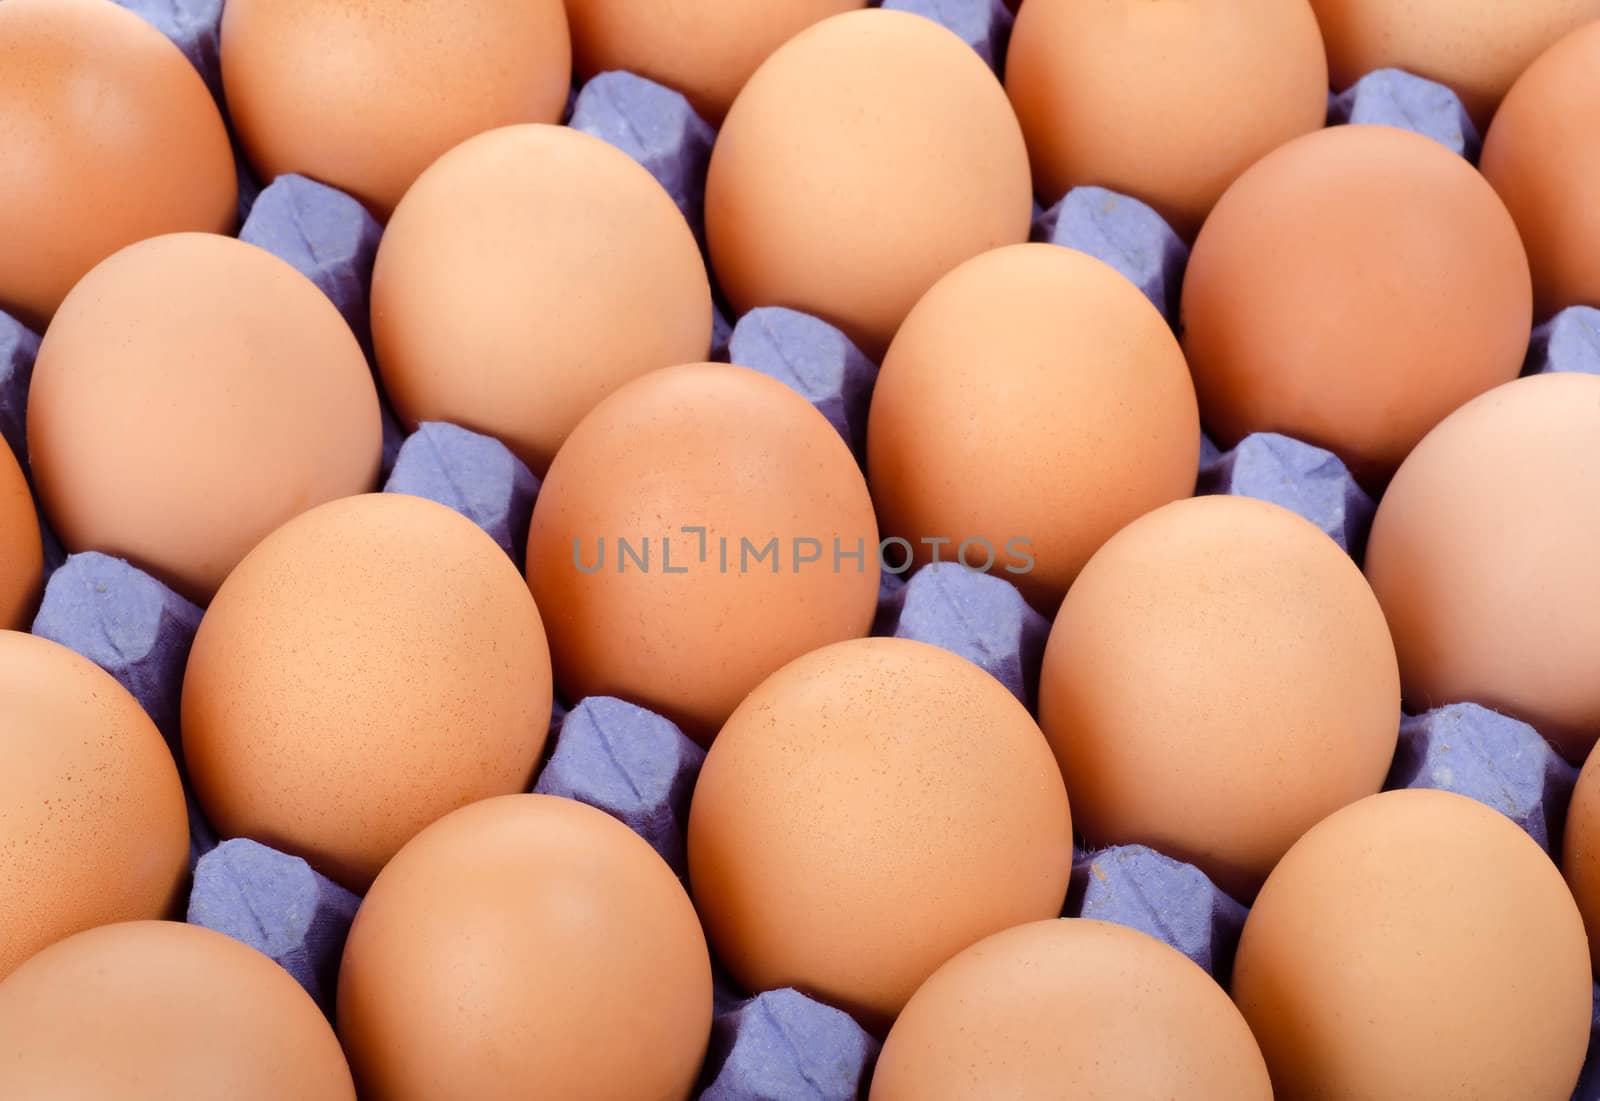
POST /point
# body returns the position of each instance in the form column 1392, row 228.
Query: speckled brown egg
column 110, row 136
column 94, row 828
column 1218, row 680
column 371, row 666
column 527, row 946
column 1483, row 556
column 193, row 393
column 365, row 94
column 1032, row 404
column 1070, row 1008
column 1417, row 944
column 1351, row 289
column 701, row 528
column 21, row 551
column 1580, row 856
column 155, row 1010
column 1541, row 157
column 868, row 156
column 1167, row 102
column 529, row 273
column 870, row 810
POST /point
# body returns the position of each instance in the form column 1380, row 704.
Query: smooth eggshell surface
column 1070, row 1008
column 1166, row 102
column 1218, row 680
column 371, row 666
column 738, row 504
column 1417, row 944
column 1033, row 394
column 1580, row 856
column 110, row 136
column 527, row 946
column 529, row 273
column 869, row 811
column 364, row 94
column 156, row 1010
column 1541, row 157
column 1350, row 290
column 1483, row 556
column 868, row 156
column 21, row 550
column 94, row 829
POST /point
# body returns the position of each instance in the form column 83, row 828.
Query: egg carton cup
column 985, row 25
column 476, row 475
column 1125, row 233
column 783, row 1046
column 19, row 346
column 1569, row 341
column 1394, row 97
column 1300, row 477
column 814, row 359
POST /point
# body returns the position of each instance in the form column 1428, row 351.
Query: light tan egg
column 21, row 551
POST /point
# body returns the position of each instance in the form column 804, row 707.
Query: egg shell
column 1417, row 944
column 1033, row 395
column 1580, row 852
column 526, row 215
column 371, row 666
column 94, row 829
column 868, row 156
column 192, row 394
column 364, row 95
column 1483, row 556
column 869, row 811
column 1218, row 680
column 1367, row 222
column 1166, row 102
column 985, row 25
column 21, row 549
column 750, row 540
column 1070, row 1008
column 195, row 27
column 526, row 945
column 153, row 1010
column 110, row 137
column 1540, row 156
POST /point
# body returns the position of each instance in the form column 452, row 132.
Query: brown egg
column 1218, row 680
column 1580, row 857
column 868, row 156
column 1351, row 289
column 1477, row 49
column 193, row 393
column 1483, row 556
column 155, row 1010
column 1541, row 157
column 1166, row 102
column 872, row 809
column 94, row 828
column 527, row 946
column 529, row 273
column 1058, row 1009
column 1417, row 945
column 371, row 666
column 363, row 94
column 701, row 528
column 21, row 552
column 706, row 49
column 110, row 136
column 1033, row 403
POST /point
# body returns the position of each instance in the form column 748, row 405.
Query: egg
column 705, row 49
column 1478, row 49
column 110, row 137
column 1580, row 856
column 1482, row 554
column 193, row 393
column 1218, row 680
column 21, row 550
column 154, row 1010
column 1032, row 403
column 526, row 946
column 1417, row 944
column 870, row 810
column 363, row 95
column 371, row 666
column 1166, row 102
column 1070, row 1008
column 1350, row 290
column 94, row 829
column 702, row 527
column 1540, row 157
column 866, row 157
column 530, row 272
